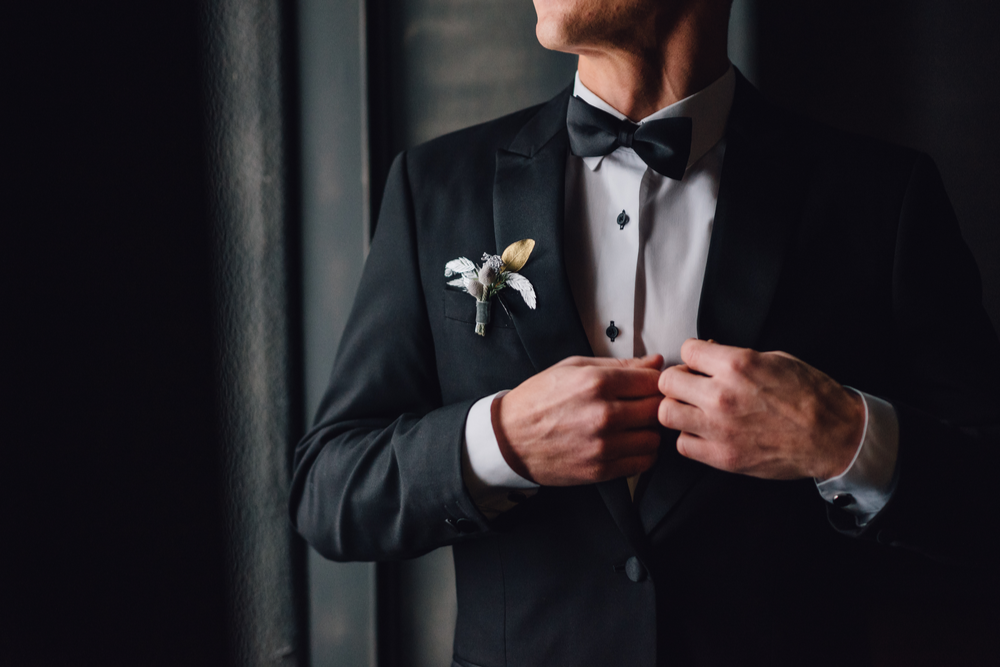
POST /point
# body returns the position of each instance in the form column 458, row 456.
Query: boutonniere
column 496, row 273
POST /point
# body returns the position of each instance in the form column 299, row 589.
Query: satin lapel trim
column 669, row 480
column 528, row 202
column 760, row 199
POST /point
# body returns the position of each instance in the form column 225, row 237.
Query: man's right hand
column 582, row 420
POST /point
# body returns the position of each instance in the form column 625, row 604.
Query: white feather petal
column 459, row 265
column 522, row 285
column 458, row 282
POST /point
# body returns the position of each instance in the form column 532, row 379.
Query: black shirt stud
column 622, row 220
column 612, row 331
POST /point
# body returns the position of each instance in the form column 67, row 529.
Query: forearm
column 377, row 489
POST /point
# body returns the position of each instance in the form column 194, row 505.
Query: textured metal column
column 249, row 228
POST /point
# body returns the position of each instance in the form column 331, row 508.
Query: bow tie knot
column 626, row 133
column 663, row 144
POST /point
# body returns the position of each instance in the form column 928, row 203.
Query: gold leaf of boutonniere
column 515, row 255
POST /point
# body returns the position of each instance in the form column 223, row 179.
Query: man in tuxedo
column 626, row 474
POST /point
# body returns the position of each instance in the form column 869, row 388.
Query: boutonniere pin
column 496, row 273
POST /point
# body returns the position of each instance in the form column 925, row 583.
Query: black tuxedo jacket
column 842, row 251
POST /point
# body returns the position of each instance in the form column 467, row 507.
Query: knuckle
column 743, row 361
column 692, row 355
column 573, row 360
column 667, row 380
column 726, row 400
column 593, row 381
column 683, row 448
column 603, row 449
column 600, row 418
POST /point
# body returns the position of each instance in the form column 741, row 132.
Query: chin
column 558, row 20
column 576, row 25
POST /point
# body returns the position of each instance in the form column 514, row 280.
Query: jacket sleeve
column 379, row 476
column 946, row 391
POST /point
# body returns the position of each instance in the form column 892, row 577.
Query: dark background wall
column 187, row 189
column 919, row 73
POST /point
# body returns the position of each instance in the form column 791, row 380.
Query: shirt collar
column 708, row 110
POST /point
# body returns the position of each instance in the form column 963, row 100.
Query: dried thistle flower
column 475, row 288
column 487, row 275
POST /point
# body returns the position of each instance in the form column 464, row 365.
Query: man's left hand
column 768, row 415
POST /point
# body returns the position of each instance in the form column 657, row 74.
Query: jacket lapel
column 528, row 201
column 667, row 482
column 760, row 197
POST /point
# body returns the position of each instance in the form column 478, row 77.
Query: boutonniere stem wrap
column 496, row 273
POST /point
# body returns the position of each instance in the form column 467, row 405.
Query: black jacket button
column 634, row 569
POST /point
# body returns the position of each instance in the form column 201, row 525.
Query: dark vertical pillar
column 249, row 228
column 148, row 369
column 334, row 238
column 109, row 473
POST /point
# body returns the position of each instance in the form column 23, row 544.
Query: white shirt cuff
column 493, row 485
column 870, row 479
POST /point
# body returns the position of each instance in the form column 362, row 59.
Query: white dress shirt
column 646, row 277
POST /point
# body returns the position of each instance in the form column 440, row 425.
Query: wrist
column 508, row 453
column 854, row 416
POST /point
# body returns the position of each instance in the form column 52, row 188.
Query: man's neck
column 639, row 80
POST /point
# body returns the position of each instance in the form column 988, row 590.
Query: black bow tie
column 663, row 144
